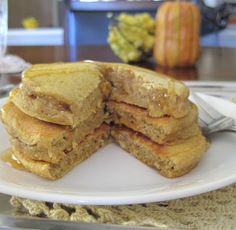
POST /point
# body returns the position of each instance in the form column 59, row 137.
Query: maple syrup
column 8, row 157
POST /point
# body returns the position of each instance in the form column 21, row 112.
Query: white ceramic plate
column 112, row 176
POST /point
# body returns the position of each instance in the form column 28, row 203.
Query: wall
column 45, row 11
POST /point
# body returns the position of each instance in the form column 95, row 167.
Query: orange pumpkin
column 177, row 34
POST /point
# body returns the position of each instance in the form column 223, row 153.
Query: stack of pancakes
column 56, row 118
column 63, row 112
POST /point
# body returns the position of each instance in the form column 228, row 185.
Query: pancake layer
column 62, row 93
column 163, row 130
column 159, row 94
column 53, row 171
column 46, row 141
column 171, row 161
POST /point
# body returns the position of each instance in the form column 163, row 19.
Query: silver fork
column 211, row 120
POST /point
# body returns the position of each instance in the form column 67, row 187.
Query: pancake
column 61, row 93
column 170, row 161
column 84, row 150
column 158, row 93
column 162, row 130
column 46, row 141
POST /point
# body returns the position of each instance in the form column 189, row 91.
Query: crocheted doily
column 212, row 210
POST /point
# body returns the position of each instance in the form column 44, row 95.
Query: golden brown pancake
column 46, row 141
column 85, row 149
column 158, row 93
column 163, row 130
column 61, row 93
column 171, row 161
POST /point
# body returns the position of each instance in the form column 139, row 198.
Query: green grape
column 138, row 36
column 121, row 47
column 143, row 20
column 132, row 37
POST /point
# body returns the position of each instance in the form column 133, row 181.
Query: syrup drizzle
column 8, row 157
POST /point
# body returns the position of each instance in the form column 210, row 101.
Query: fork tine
column 202, row 121
column 211, row 120
column 207, row 108
column 204, row 117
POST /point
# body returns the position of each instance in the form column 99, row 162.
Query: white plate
column 112, row 176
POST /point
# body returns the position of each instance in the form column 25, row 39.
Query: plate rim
column 102, row 199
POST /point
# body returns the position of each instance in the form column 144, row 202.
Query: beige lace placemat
column 212, row 210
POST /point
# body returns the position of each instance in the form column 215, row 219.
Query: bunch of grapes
column 131, row 37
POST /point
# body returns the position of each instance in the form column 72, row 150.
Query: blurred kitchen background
column 57, row 22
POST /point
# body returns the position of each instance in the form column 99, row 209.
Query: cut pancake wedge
column 171, row 161
column 163, row 130
column 61, row 93
column 158, row 93
column 46, row 141
column 85, row 149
